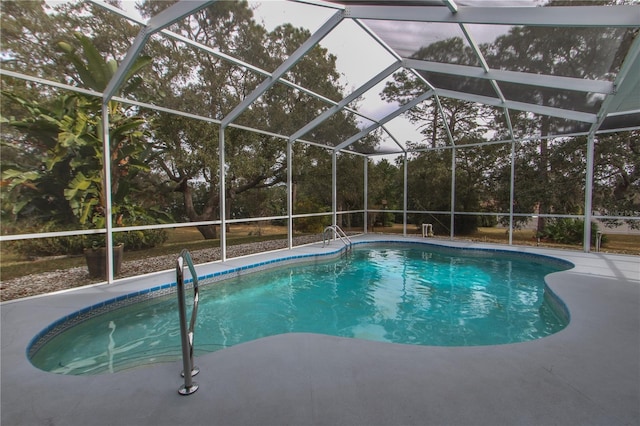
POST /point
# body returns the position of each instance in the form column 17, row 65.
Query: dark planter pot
column 97, row 261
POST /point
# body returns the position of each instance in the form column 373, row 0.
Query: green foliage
column 54, row 246
column 65, row 138
column 52, row 156
column 75, row 244
column 139, row 240
column 388, row 219
column 617, row 177
column 94, row 71
column 256, row 162
column 567, row 231
column 488, row 221
column 350, row 182
column 311, row 224
column 465, row 224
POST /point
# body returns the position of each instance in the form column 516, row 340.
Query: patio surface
column 587, row 374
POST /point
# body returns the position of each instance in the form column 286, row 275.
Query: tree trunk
column 294, row 193
column 434, row 130
column 209, row 232
column 543, row 166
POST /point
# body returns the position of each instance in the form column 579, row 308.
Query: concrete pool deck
column 587, row 374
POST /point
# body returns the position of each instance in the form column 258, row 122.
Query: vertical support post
column 290, row 194
column 223, row 197
column 334, row 189
column 512, row 190
column 453, row 192
column 405, row 195
column 588, row 193
column 106, row 187
column 366, row 194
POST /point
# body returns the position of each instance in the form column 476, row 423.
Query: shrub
column 139, row 240
column 488, row 221
column 310, row 224
column 465, row 225
column 54, row 246
column 568, row 231
column 74, row 245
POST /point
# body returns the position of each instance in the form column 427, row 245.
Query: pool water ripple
column 399, row 294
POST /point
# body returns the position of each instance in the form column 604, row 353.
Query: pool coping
column 209, row 278
column 578, row 376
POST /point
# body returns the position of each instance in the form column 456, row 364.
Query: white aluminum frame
column 449, row 12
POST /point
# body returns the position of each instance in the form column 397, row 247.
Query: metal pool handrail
column 189, row 370
column 339, row 233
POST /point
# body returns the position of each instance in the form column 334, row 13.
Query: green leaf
column 112, row 67
column 96, row 65
column 17, row 207
column 18, row 177
column 119, row 132
column 138, row 64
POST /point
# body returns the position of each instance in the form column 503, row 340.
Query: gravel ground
column 31, row 285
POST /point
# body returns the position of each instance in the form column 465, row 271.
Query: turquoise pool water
column 413, row 294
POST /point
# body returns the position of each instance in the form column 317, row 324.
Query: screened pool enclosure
column 377, row 116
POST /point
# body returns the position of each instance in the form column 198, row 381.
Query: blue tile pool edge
column 74, row 318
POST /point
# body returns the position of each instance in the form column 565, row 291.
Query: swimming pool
column 411, row 294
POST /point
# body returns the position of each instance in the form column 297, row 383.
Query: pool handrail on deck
column 187, row 335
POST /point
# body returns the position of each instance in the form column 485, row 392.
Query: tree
column 573, row 52
column 31, row 31
column 616, row 180
column 550, row 172
column 254, row 161
column 350, row 187
column 67, row 140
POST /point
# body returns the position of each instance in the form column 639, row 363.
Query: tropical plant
column 65, row 135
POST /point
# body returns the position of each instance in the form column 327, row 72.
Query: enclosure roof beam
column 572, row 16
column 531, row 79
column 626, row 87
column 284, row 67
column 485, row 68
column 483, row 61
column 215, row 52
column 255, row 69
column 385, row 120
column 519, row 106
column 51, row 83
column 163, row 19
column 327, row 4
column 346, row 101
column 445, row 122
column 453, row 7
column 226, row 57
column 174, row 13
column 394, row 139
